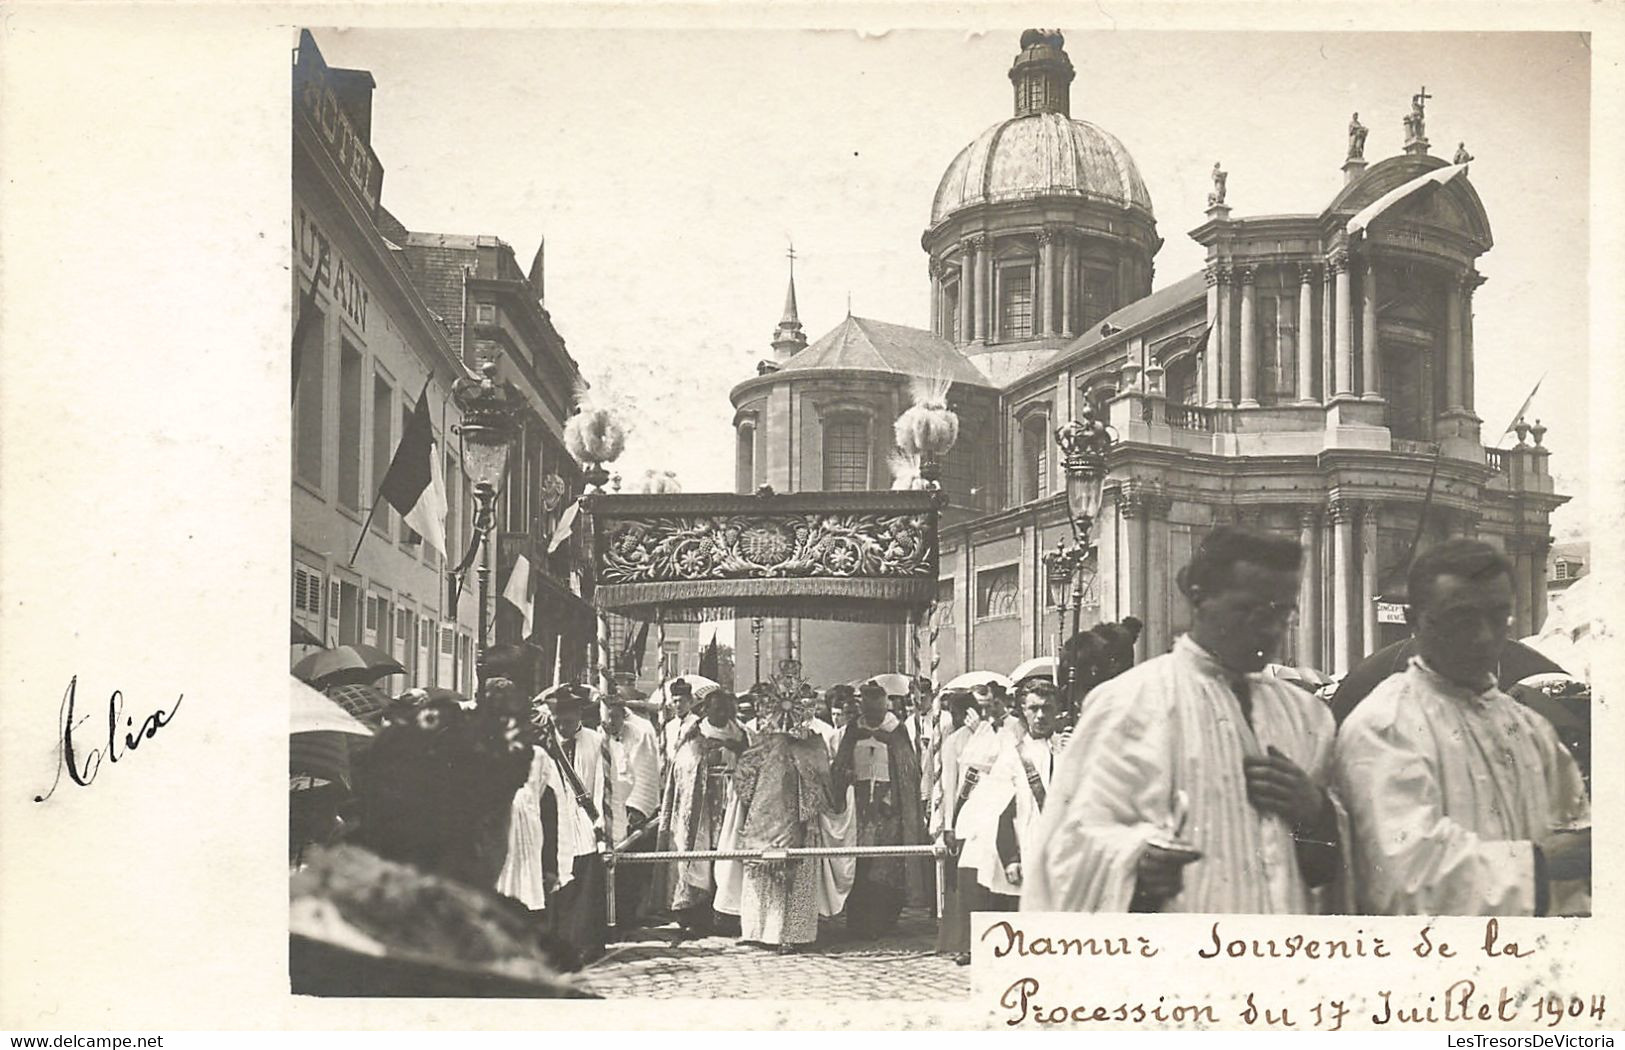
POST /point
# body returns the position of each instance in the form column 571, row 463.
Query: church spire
column 788, row 338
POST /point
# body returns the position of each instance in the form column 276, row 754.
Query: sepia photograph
column 765, row 501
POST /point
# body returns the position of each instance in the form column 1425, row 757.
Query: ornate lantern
column 1084, row 443
column 488, row 429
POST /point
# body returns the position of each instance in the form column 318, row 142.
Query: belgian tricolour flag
column 413, row 485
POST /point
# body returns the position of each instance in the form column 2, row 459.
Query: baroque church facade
column 1315, row 378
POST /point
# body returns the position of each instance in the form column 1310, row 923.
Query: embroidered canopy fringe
column 849, row 610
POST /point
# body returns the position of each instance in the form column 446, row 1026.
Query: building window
column 485, row 313
column 350, row 613
column 307, row 598
column 1098, row 297
column 1016, row 302
column 307, row 411
column 383, row 401
column 960, row 481
column 846, row 454
column 950, row 320
column 1034, row 482
column 997, row 592
column 350, row 427
column 745, row 459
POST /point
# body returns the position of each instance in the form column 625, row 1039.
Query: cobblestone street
column 660, row 964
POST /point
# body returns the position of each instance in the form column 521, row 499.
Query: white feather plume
column 656, row 482
column 928, row 428
column 905, row 471
column 593, row 435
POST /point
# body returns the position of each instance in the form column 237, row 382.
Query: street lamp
column 1084, row 443
column 756, row 638
column 488, row 429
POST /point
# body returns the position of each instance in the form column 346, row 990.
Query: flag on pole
column 632, row 655
column 566, row 526
column 520, row 592
column 413, row 485
column 1524, row 407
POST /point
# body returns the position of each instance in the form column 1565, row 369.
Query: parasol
column 311, row 712
column 972, row 679
column 365, row 702
column 318, row 733
column 302, row 635
column 347, row 664
column 1041, row 666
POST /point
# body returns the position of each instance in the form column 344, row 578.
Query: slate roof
column 864, row 344
column 1160, row 302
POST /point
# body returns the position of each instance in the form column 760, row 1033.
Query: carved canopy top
column 837, row 555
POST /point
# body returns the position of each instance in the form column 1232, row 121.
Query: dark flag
column 413, row 485
column 632, row 655
column 307, row 311
column 711, row 660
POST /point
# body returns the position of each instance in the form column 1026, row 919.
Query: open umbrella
column 972, row 679
column 311, row 712
column 318, row 733
column 302, row 636
column 1042, row 666
column 347, row 664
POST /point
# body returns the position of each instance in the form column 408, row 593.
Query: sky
column 670, row 170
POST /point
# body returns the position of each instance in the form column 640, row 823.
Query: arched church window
column 1016, row 301
column 950, row 320
column 1099, row 295
column 846, row 454
column 1035, row 439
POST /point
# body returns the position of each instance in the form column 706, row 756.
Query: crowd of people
column 1194, row 781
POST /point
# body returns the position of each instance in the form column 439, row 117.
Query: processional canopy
column 687, row 557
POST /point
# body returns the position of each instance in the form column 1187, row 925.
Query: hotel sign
column 313, row 94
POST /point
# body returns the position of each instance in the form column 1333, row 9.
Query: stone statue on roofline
column 1462, row 156
column 1357, row 134
column 1219, row 178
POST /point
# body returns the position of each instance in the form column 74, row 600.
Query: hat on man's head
column 872, row 688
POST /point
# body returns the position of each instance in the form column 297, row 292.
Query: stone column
column 1069, row 277
column 1341, row 579
column 983, row 282
column 1453, row 356
column 1515, row 547
column 934, row 270
column 1474, row 279
column 1309, row 588
column 1249, row 337
column 995, row 296
column 1210, row 356
column 1306, row 334
column 1328, row 340
column 1537, row 583
column 1227, row 392
column 1044, row 300
column 1107, row 534
column 1345, row 325
column 1370, row 390
column 1368, row 578
column 1131, row 554
column 1158, row 574
column 967, row 282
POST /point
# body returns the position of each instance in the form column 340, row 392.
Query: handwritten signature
column 83, row 766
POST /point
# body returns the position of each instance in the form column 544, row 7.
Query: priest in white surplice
column 1464, row 801
column 1193, row 782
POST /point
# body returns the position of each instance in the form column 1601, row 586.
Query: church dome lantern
column 1042, row 224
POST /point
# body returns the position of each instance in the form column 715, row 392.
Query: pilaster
column 1309, row 618
column 1249, row 337
column 1370, row 390
column 1341, row 580
column 1345, row 325
column 1306, row 335
column 1368, row 577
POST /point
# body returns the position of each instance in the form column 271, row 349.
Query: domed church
column 1315, row 378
